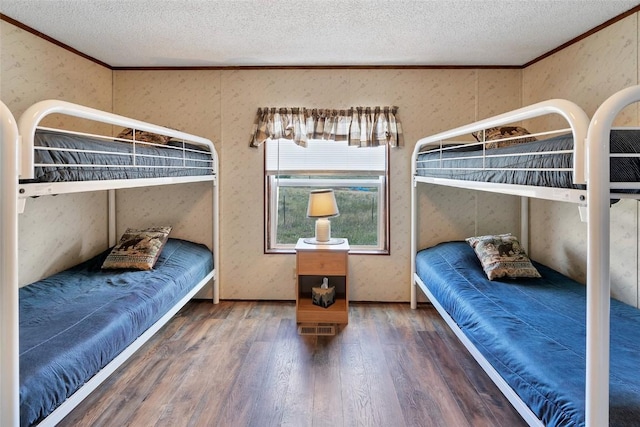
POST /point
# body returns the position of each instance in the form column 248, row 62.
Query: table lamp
column 322, row 206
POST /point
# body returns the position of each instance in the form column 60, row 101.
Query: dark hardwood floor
column 244, row 364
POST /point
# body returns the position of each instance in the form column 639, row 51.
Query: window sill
column 353, row 251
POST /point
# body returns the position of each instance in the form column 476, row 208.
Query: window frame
column 380, row 180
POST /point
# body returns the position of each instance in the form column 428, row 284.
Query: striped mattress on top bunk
column 61, row 157
column 139, row 154
column 545, row 163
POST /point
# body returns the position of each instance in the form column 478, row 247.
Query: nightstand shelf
column 307, row 312
column 313, row 263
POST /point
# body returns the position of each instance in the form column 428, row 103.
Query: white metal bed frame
column 591, row 167
column 17, row 161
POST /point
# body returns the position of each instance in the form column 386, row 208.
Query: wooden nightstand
column 313, row 262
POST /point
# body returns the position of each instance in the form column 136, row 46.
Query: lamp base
column 323, row 234
column 332, row 241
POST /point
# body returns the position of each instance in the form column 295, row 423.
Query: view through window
column 358, row 177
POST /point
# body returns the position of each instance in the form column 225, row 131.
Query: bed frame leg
column 216, row 290
column 111, row 206
column 414, row 296
column 9, row 316
column 524, row 223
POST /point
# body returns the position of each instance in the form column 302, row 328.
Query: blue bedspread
column 533, row 333
column 73, row 323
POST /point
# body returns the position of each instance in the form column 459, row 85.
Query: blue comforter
column 73, row 323
column 533, row 333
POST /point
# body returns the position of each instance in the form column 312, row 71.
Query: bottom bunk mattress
column 75, row 322
column 533, row 332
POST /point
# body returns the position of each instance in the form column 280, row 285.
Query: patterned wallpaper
column 73, row 227
column 429, row 101
column 56, row 232
column 587, row 73
column 184, row 100
column 221, row 104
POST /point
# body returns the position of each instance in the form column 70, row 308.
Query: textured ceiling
column 156, row 33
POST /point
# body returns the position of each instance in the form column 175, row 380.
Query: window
column 358, row 176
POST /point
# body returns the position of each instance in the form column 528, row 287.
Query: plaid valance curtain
column 361, row 126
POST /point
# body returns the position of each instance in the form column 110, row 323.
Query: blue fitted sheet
column 533, row 333
column 75, row 322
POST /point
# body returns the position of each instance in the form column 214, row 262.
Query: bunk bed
column 544, row 341
column 98, row 313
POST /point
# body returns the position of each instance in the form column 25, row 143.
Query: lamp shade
column 322, row 204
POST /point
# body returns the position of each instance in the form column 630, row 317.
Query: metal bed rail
column 599, row 253
column 9, row 330
column 591, row 167
column 578, row 125
column 30, row 121
column 574, row 116
column 17, row 162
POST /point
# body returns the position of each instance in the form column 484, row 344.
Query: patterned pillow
column 502, row 256
column 498, row 133
column 138, row 249
column 144, row 136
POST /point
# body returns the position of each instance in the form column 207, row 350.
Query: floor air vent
column 317, row 330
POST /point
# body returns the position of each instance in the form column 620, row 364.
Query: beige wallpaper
column 453, row 214
column 430, row 101
column 56, row 232
column 184, row 100
column 72, row 227
column 220, row 105
column 587, row 73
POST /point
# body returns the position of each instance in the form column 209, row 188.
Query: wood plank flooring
column 244, row 364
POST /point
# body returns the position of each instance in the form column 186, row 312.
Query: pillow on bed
column 498, row 133
column 502, row 256
column 137, row 249
column 144, row 136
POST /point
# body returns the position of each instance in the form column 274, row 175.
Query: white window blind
column 284, row 155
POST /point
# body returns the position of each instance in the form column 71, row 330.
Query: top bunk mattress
column 544, row 163
column 82, row 158
column 75, row 322
column 533, row 332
